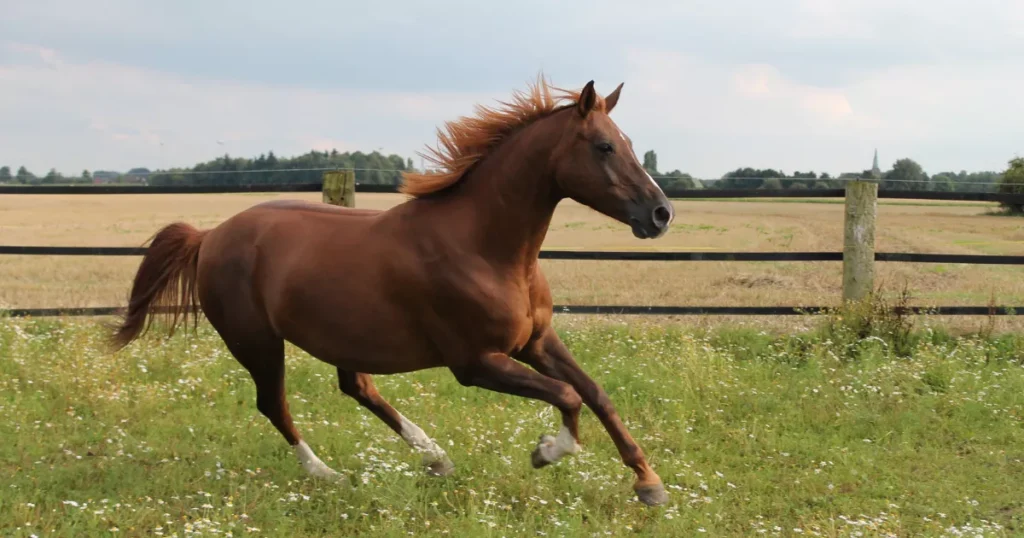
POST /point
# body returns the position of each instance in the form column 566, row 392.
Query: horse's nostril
column 661, row 216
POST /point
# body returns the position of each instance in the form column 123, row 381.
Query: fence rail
column 703, row 193
column 906, row 257
column 616, row 310
column 859, row 271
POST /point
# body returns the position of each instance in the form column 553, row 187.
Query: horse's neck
column 508, row 199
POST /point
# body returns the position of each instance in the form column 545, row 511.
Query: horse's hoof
column 320, row 471
column 328, row 475
column 537, row 459
column 541, row 455
column 652, row 495
column 441, row 468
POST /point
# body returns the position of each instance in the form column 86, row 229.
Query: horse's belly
column 361, row 334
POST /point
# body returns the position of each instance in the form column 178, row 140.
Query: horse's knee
column 571, row 399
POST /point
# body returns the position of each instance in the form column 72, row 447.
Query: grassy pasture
column 745, row 225
column 753, row 435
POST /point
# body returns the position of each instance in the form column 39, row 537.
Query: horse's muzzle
column 651, row 221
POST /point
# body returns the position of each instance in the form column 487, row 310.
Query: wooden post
column 340, row 188
column 859, row 240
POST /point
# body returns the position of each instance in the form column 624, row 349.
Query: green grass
column 753, row 434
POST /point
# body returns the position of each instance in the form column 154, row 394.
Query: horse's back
column 315, row 207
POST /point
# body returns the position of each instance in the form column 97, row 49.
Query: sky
column 710, row 85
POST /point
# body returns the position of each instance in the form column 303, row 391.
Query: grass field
column 750, row 225
column 753, row 435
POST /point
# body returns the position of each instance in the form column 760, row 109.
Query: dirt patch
column 757, row 281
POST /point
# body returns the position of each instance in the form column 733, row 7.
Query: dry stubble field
column 793, row 225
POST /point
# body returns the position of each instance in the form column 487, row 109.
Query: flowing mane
column 467, row 140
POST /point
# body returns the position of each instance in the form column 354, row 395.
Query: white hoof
column 443, row 467
column 312, row 464
column 434, row 457
column 551, row 449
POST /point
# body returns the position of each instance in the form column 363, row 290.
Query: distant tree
column 5, row 174
column 1012, row 182
column 24, row 176
column 86, row 176
column 906, row 175
column 748, row 178
column 676, row 180
column 651, row 162
column 943, row 183
column 772, row 183
column 52, row 177
column 975, row 181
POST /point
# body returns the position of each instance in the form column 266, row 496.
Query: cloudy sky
column 711, row 85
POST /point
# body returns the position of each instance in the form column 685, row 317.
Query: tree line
column 905, row 174
column 380, row 169
column 374, row 168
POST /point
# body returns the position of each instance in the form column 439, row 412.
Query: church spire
column 874, row 164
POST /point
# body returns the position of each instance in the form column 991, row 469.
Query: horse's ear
column 588, row 98
column 609, row 102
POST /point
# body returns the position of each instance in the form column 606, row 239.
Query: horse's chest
column 498, row 312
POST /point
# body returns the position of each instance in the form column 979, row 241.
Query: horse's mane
column 467, row 140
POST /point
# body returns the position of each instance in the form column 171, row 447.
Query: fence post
column 859, row 240
column 340, row 187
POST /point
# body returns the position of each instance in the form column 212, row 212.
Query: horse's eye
column 605, row 147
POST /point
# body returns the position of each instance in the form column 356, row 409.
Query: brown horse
column 448, row 278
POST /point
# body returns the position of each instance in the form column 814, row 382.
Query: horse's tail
column 166, row 280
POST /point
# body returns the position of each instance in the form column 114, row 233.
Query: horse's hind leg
column 253, row 342
column 264, row 359
column 360, row 387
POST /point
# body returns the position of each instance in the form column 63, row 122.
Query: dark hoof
column 538, row 460
column 652, row 495
column 441, row 468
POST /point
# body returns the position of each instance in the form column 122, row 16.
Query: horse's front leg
column 549, row 356
column 498, row 372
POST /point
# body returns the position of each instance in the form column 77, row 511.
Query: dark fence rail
column 616, row 310
column 705, row 193
column 974, row 259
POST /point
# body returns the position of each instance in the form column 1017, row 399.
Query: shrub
column 874, row 319
column 1012, row 182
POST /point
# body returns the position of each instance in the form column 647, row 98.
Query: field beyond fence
column 858, row 258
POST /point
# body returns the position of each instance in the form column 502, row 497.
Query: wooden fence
column 858, row 255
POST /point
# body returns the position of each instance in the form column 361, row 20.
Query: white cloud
column 707, row 118
column 74, row 115
column 710, row 84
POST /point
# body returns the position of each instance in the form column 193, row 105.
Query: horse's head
column 595, row 165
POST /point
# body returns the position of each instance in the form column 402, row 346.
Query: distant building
column 136, row 175
column 100, row 177
column 875, row 172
